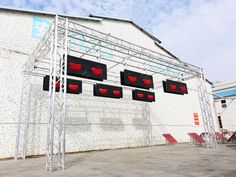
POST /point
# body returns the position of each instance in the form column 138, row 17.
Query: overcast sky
column 201, row 32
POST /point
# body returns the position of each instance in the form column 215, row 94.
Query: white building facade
column 92, row 123
column 225, row 104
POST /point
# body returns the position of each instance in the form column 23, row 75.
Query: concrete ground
column 159, row 161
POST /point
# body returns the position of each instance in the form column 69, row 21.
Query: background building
column 225, row 103
column 93, row 123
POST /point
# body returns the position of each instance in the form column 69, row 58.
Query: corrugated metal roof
column 218, row 86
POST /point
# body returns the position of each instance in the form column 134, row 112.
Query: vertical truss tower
column 208, row 122
column 55, row 148
column 50, row 58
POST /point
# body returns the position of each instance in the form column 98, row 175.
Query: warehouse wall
column 93, row 123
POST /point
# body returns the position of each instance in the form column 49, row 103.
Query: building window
column 220, row 122
column 223, row 104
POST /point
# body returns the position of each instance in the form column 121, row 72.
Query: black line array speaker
column 175, row 87
column 107, row 91
column 46, row 84
column 73, row 86
column 86, row 69
column 135, row 79
column 141, row 95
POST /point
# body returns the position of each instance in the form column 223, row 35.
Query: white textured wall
column 93, row 123
column 228, row 115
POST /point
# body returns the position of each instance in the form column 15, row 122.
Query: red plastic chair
column 169, row 138
column 196, row 139
column 221, row 137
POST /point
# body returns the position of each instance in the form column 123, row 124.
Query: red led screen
column 107, row 91
column 86, row 68
column 141, row 95
column 135, row 79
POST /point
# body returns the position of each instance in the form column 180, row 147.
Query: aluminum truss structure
column 43, row 50
column 50, row 58
column 55, row 148
column 208, row 122
column 21, row 137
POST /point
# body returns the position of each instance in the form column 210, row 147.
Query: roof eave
column 172, row 55
column 129, row 21
column 48, row 13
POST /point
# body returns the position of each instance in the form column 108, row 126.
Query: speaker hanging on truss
column 73, row 86
column 86, row 69
column 135, row 79
column 141, row 95
column 107, row 91
column 170, row 86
